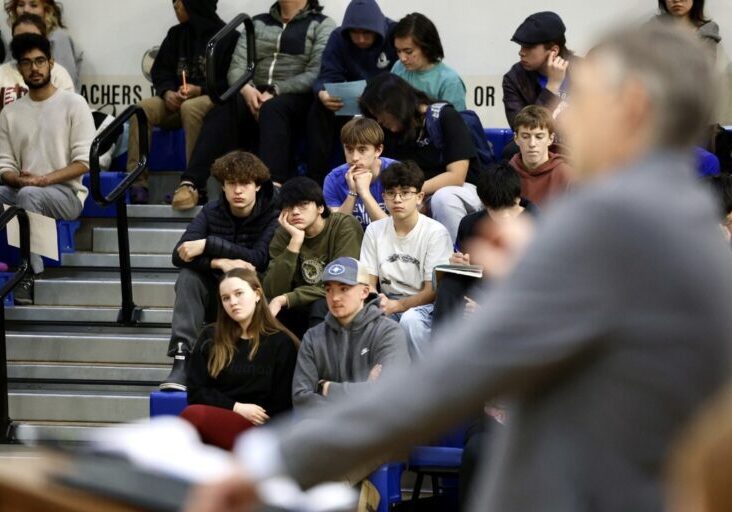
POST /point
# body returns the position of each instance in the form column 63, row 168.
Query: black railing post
column 129, row 313
column 212, row 77
column 6, row 424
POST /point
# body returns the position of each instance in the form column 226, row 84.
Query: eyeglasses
column 404, row 194
column 38, row 62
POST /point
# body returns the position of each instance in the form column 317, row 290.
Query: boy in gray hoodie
column 354, row 344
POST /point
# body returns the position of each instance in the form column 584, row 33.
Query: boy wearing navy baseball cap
column 353, row 346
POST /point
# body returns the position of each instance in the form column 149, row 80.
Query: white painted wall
column 476, row 34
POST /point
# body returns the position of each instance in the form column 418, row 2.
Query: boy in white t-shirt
column 401, row 251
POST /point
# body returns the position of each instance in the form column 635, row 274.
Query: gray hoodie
column 344, row 356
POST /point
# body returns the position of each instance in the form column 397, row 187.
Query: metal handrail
column 6, row 424
column 212, row 46
column 129, row 313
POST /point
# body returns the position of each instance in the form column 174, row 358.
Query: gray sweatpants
column 55, row 201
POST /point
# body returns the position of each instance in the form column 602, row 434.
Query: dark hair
column 227, row 332
column 388, row 93
column 696, row 14
column 499, row 187
column 30, row 19
column 722, row 188
column 25, row 43
column 240, row 167
column 53, row 17
column 300, row 190
column 402, row 175
column 424, row 34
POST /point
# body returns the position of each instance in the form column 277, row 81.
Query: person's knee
column 30, row 199
column 190, row 280
column 194, row 414
column 445, row 197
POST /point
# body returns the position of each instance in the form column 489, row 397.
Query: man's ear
column 365, row 291
column 379, row 150
column 51, row 62
column 552, row 138
column 321, row 210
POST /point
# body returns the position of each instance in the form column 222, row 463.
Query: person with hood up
column 352, row 347
column 543, row 174
column 357, row 50
column 179, row 79
column 233, row 232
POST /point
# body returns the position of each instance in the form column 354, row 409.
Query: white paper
column 43, row 234
column 348, row 93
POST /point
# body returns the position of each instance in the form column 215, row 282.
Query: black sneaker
column 176, row 380
column 23, row 292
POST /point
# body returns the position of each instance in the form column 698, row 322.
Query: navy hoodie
column 343, row 61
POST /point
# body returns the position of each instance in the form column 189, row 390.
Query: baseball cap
column 540, row 27
column 347, row 271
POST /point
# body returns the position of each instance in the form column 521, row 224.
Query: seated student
column 179, row 78
column 45, row 139
column 353, row 346
column 543, row 174
column 357, row 50
column 240, row 372
column 309, row 236
column 355, row 187
column 62, row 46
column 690, row 14
column 11, row 81
column 233, row 232
column 400, row 252
column 543, row 74
column 499, row 190
column 451, row 170
column 420, row 63
column 290, row 39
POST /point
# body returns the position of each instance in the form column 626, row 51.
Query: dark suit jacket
column 610, row 332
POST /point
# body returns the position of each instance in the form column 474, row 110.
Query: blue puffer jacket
column 247, row 239
column 343, row 61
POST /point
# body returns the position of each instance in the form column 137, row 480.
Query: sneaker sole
column 172, row 386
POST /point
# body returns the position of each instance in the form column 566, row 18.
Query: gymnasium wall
column 476, row 34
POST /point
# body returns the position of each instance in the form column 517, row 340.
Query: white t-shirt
column 404, row 263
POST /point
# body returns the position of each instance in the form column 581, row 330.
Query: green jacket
column 298, row 275
column 286, row 55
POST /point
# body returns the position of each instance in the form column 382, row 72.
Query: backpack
column 483, row 147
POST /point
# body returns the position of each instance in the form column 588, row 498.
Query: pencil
column 185, row 83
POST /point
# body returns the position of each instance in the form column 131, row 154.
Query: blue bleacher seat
column 388, row 481
column 167, row 150
column 9, row 301
column 499, row 138
column 167, row 403
column 65, row 229
column 110, row 179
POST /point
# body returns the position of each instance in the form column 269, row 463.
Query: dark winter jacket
column 521, row 88
column 230, row 237
column 184, row 49
column 345, row 356
column 343, row 61
column 287, row 54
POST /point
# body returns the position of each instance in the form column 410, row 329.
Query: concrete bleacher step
column 148, row 240
column 106, row 345
column 89, row 373
column 57, row 431
column 80, row 288
column 160, row 212
column 78, row 406
column 111, row 260
column 82, row 315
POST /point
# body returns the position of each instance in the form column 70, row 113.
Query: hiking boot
column 23, row 292
column 176, row 380
column 185, row 196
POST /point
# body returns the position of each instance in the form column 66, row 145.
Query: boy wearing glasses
column 400, row 252
column 45, row 138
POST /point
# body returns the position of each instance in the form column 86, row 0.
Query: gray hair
column 677, row 72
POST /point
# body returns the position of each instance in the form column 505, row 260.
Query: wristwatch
column 353, row 194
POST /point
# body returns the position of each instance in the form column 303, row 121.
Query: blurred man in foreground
column 608, row 335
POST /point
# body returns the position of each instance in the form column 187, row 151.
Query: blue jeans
column 417, row 325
